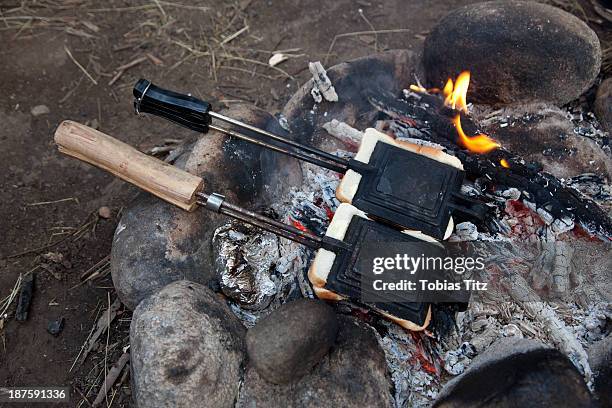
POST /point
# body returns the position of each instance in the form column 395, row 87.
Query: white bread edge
column 324, row 260
column 346, row 190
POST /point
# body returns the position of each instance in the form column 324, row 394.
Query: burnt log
column 538, row 187
column 25, row 298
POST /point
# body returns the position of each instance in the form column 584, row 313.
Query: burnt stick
column 543, row 189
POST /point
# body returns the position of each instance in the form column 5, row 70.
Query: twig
column 111, row 377
column 101, row 325
column 121, row 69
column 94, row 272
column 252, row 61
column 362, row 14
column 82, row 395
column 76, row 232
column 148, row 6
column 235, row 35
column 249, row 72
column 76, row 200
column 80, row 66
column 356, row 33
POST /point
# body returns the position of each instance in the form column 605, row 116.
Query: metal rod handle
column 300, row 156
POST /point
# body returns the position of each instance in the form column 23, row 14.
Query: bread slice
column 323, row 262
column 350, row 182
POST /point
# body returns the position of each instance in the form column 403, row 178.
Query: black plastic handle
column 182, row 109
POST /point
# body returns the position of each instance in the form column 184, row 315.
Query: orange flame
column 504, row 163
column 477, row 144
column 455, row 94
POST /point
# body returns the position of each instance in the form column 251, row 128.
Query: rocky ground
column 78, row 59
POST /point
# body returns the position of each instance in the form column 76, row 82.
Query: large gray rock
column 517, row 51
column 517, row 372
column 353, row 374
column 287, row 343
column 603, row 104
column 156, row 243
column 547, row 137
column 600, row 360
column 187, row 349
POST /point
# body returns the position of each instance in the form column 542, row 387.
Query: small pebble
column 55, row 327
column 104, row 212
column 40, row 110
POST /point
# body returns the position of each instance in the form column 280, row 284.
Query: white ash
column 590, row 324
column 586, row 124
column 466, row 231
column 284, row 123
column 511, row 193
column 280, row 267
column 316, row 94
column 413, row 387
column 455, row 361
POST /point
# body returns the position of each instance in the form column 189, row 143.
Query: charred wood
column 427, row 114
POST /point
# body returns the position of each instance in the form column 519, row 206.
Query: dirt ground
column 48, row 217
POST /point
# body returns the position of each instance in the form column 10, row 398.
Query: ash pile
column 225, row 313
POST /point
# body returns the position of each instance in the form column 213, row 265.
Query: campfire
column 387, row 164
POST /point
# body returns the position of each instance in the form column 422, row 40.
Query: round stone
column 156, row 243
column 516, row 51
column 517, row 372
column 287, row 343
column 187, row 348
column 353, row 374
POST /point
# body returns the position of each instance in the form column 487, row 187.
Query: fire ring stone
column 516, row 51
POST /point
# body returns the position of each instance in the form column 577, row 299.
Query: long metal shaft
column 321, row 155
column 268, row 224
column 300, row 156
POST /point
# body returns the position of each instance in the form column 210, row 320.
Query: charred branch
column 427, row 114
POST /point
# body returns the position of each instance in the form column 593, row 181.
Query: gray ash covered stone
column 156, row 243
column 290, row 341
column 603, row 104
column 187, row 349
column 517, row 51
column 517, row 372
column 353, row 374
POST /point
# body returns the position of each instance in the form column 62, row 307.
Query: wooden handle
column 161, row 179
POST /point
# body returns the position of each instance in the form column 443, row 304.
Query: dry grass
column 211, row 36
